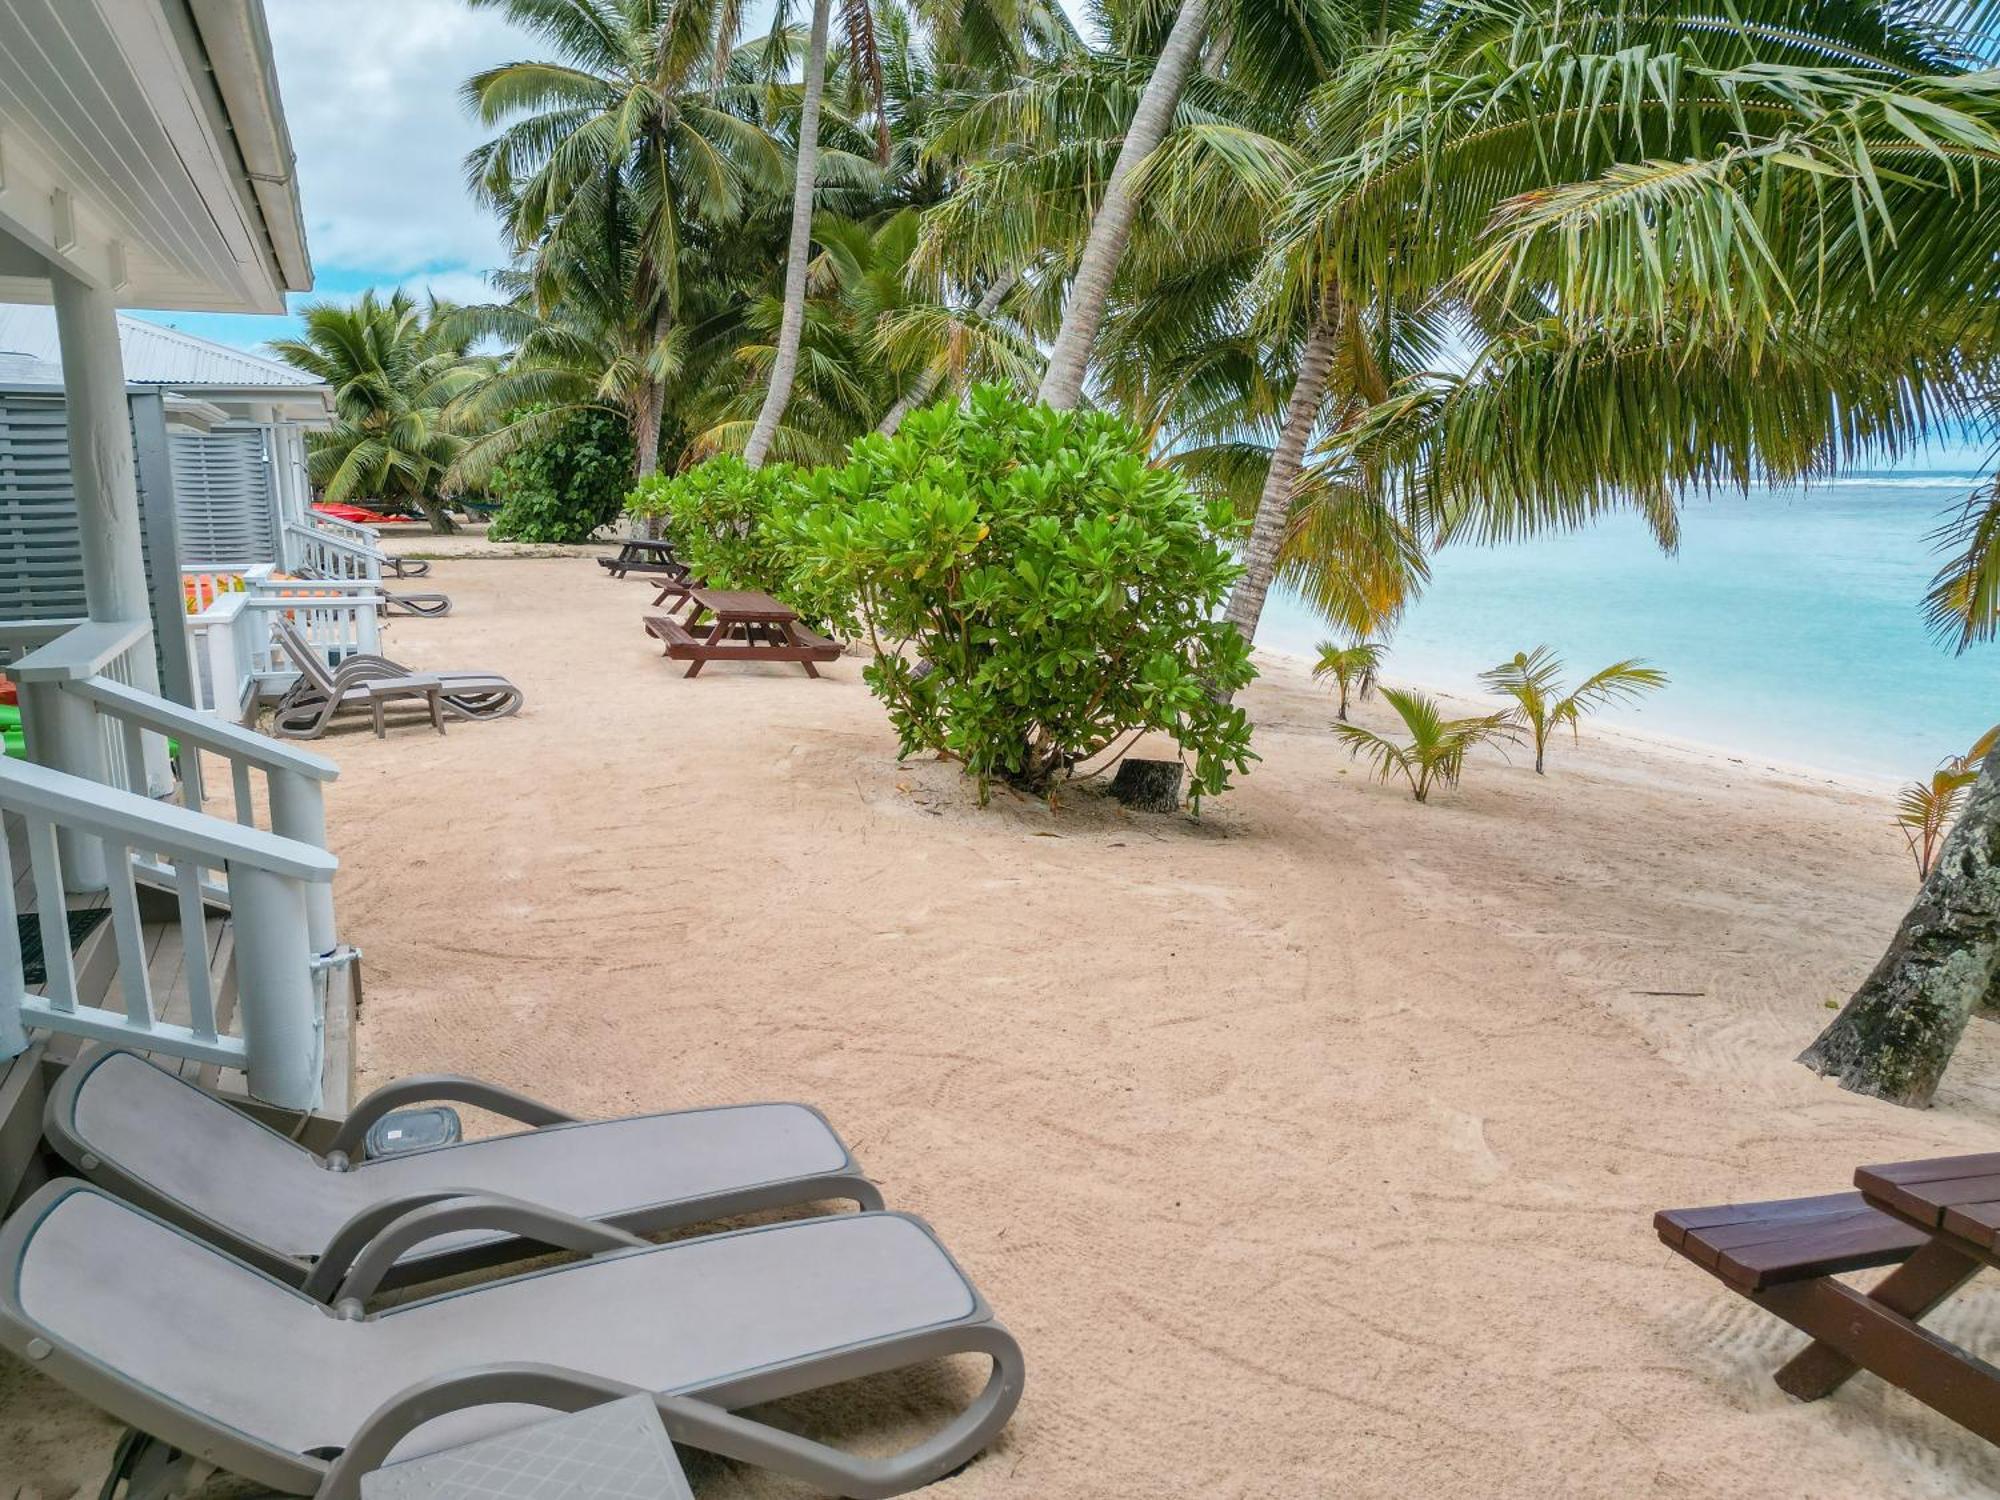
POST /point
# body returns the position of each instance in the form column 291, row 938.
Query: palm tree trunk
column 1062, row 385
column 786, row 365
column 438, row 514
column 926, row 383
column 1274, row 506
column 645, row 420
column 1895, row 1036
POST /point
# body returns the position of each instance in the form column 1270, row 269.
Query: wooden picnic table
column 743, row 626
column 640, row 554
column 1937, row 1221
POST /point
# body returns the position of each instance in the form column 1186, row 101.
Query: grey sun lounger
column 182, row 1153
column 362, row 681
column 212, row 1358
column 430, row 606
column 407, row 567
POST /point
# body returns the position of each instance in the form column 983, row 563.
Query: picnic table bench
column 640, row 554
column 746, row 626
column 1936, row 1221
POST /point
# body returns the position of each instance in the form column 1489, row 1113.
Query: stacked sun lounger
column 215, row 1285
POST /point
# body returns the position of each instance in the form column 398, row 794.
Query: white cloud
column 371, row 94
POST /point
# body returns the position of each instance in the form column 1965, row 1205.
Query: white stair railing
column 271, row 881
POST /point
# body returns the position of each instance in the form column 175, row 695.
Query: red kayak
column 356, row 515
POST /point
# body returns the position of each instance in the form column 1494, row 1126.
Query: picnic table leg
column 792, row 638
column 1956, row 1385
column 1911, row 1290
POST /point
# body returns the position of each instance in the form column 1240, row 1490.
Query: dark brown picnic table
column 639, row 554
column 1937, row 1221
column 743, row 625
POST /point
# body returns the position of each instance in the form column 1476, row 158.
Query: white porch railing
column 270, row 880
column 91, row 826
column 236, row 656
column 326, row 548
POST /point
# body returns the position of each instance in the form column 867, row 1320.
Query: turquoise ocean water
column 1791, row 623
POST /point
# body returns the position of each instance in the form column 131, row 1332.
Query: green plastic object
column 16, row 743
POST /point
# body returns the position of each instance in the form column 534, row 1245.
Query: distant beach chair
column 211, row 1357
column 369, row 683
column 408, row 567
column 429, row 606
column 180, row 1152
column 1936, row 1221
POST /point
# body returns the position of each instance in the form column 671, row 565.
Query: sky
column 371, row 95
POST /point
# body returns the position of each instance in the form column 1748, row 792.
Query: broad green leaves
column 1036, row 591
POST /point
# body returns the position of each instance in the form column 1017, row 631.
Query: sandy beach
column 1308, row 1148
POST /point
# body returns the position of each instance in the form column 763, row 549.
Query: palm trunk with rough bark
column 438, row 514
column 927, row 382
column 1898, row 1032
column 1062, row 384
column 645, row 420
column 1274, row 505
column 785, row 366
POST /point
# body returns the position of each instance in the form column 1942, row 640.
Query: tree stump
column 1148, row 785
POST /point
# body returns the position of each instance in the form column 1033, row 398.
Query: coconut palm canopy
column 1385, row 275
column 398, row 369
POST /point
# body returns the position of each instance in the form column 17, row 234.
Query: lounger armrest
column 455, row 1213
column 429, row 1087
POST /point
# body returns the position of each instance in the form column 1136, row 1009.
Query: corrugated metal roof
column 154, row 355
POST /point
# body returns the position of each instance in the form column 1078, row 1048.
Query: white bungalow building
column 144, row 162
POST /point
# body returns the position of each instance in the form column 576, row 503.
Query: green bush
column 734, row 526
column 568, row 486
column 1054, row 589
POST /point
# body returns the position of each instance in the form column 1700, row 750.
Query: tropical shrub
column 1052, row 590
column 736, row 528
column 1435, row 754
column 1533, row 679
column 1352, row 669
column 567, row 486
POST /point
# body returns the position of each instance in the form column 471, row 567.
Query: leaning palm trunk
column 1894, row 1038
column 927, row 382
column 786, row 365
column 438, row 514
column 1274, row 505
column 1062, row 384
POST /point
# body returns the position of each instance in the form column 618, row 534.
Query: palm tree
column 396, row 369
column 784, row 368
column 1111, row 225
column 1533, row 679
column 1437, row 747
column 645, row 119
column 1352, row 669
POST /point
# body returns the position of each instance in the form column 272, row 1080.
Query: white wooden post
column 105, row 475
column 274, row 979
column 298, row 811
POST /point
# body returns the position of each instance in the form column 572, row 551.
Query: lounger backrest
column 304, row 656
column 177, row 1144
